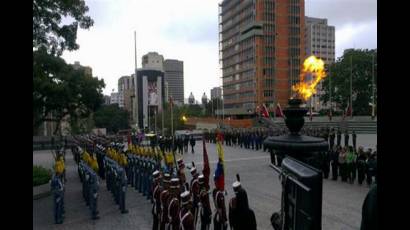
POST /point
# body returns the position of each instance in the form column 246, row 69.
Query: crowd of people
column 176, row 204
column 343, row 160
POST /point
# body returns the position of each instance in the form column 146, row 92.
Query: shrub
column 40, row 175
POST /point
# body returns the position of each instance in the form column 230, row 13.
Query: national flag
column 278, row 112
column 349, row 109
column 219, row 176
column 220, row 151
column 206, row 170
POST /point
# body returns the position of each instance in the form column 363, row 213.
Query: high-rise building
column 174, row 76
column 126, row 90
column 88, row 70
column 261, row 50
column 320, row 41
column 117, row 98
column 150, row 96
column 216, row 92
column 153, row 60
column 107, row 100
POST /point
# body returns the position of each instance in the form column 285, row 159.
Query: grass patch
column 40, row 175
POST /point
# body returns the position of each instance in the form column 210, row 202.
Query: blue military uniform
column 57, row 189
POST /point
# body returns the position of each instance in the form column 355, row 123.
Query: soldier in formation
column 57, row 189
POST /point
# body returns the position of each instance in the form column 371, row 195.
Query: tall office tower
column 261, row 50
column 174, row 76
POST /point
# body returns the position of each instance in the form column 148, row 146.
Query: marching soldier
column 339, row 137
column 204, row 205
column 124, row 184
column 240, row 215
column 354, row 138
column 94, row 195
column 194, row 186
column 181, row 173
column 220, row 219
column 361, row 165
column 185, row 215
column 192, row 143
column 347, row 138
column 164, row 197
column 156, row 207
column 174, row 205
column 57, row 188
column 334, row 161
column 332, row 138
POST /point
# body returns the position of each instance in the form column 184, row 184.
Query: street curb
column 41, row 191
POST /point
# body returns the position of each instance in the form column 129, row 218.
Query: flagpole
column 351, row 92
column 135, row 84
column 330, row 92
column 373, row 88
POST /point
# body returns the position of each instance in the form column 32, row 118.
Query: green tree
column 59, row 89
column 112, row 118
column 48, row 30
column 339, row 75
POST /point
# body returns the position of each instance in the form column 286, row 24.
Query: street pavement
column 341, row 206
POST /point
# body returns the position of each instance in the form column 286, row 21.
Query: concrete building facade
column 117, row 98
column 153, row 60
column 150, row 96
column 126, row 90
column 174, row 76
column 216, row 92
column 261, row 50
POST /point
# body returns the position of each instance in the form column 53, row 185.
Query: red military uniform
column 220, row 219
column 173, row 205
column 195, row 189
column 205, row 211
column 185, row 215
column 164, row 197
column 156, row 207
column 232, row 206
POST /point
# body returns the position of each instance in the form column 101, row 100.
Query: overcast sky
column 187, row 30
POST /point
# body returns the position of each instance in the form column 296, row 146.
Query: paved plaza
column 341, row 204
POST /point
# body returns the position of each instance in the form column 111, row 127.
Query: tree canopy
column 112, row 118
column 359, row 63
column 48, row 29
column 60, row 89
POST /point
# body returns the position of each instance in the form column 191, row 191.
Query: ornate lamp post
column 301, row 206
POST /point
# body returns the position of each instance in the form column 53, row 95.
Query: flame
column 314, row 66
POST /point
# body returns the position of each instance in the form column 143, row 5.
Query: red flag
column 265, row 112
column 206, row 170
column 278, row 112
column 349, row 110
